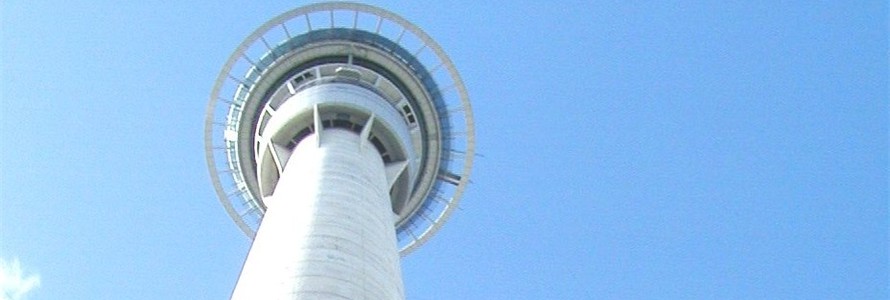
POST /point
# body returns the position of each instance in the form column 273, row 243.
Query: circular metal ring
column 445, row 91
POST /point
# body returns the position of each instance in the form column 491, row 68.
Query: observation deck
column 353, row 67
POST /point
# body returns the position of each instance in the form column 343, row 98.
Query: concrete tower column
column 339, row 137
column 328, row 230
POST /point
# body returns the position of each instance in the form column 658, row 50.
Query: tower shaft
column 338, row 147
column 328, row 229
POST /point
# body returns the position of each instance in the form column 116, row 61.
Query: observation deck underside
column 421, row 116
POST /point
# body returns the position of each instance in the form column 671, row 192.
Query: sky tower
column 339, row 137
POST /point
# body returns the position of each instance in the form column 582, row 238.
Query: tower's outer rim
column 227, row 198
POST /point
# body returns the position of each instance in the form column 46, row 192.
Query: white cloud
column 14, row 285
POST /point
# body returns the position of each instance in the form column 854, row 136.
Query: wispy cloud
column 14, row 285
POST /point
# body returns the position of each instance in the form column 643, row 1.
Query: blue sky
column 679, row 149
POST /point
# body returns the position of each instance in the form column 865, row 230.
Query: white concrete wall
column 328, row 231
